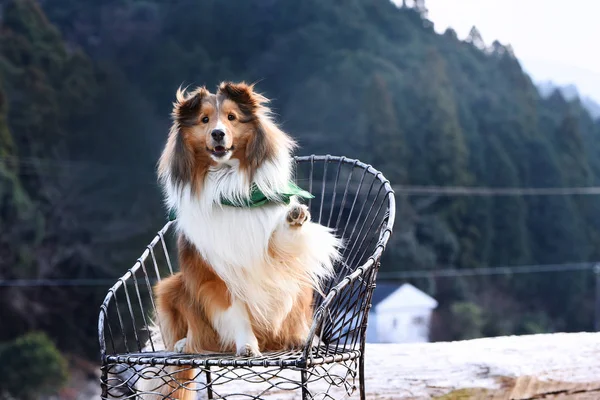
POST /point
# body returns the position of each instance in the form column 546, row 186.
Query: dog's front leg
column 180, row 345
column 234, row 327
column 225, row 323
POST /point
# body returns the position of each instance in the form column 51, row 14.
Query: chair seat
column 282, row 359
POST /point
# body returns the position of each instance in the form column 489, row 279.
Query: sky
column 555, row 40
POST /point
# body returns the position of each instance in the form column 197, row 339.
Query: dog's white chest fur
column 230, row 237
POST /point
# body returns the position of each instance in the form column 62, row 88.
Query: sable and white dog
column 247, row 271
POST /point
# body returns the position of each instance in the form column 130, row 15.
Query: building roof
column 393, row 296
column 383, row 290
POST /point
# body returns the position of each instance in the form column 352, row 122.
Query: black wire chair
column 351, row 197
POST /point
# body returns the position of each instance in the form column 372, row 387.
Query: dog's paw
column 297, row 215
column 248, row 350
column 180, row 345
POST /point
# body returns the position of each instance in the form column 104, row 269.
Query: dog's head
column 230, row 127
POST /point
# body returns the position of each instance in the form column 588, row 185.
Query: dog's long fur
column 247, row 275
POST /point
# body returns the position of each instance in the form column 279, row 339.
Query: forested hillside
column 86, row 95
column 66, row 206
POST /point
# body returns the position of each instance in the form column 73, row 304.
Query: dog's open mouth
column 220, row 151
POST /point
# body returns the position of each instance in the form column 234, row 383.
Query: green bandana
column 258, row 198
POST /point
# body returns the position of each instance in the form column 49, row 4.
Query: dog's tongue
column 219, row 148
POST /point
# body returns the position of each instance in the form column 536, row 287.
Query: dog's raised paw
column 297, row 215
column 248, row 350
column 180, row 345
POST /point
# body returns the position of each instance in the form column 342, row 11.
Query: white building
column 400, row 314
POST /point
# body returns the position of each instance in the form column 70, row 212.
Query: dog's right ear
column 177, row 160
column 187, row 105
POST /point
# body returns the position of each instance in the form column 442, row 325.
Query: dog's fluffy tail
column 164, row 382
column 168, row 382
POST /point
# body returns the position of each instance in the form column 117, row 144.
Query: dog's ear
column 187, row 106
column 251, row 104
column 244, row 96
column 178, row 158
column 258, row 148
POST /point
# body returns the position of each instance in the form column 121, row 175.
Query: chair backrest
column 358, row 203
column 351, row 197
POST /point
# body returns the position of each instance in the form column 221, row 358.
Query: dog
column 250, row 258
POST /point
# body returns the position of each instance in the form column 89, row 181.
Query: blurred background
column 483, row 115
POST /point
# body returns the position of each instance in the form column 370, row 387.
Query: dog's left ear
column 244, row 96
column 251, row 104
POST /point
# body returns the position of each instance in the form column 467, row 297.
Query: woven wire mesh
column 326, row 381
column 352, row 198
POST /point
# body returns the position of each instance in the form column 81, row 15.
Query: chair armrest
column 339, row 320
column 126, row 303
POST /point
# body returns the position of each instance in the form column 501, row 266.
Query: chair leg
column 305, row 393
column 209, row 391
column 361, row 377
column 104, row 383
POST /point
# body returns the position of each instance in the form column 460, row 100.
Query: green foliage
column 508, row 214
column 442, row 151
column 56, row 212
column 31, row 366
column 532, row 324
column 467, row 321
column 384, row 140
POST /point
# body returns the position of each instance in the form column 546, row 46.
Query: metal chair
column 351, row 197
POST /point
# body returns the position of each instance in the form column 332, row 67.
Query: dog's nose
column 217, row 135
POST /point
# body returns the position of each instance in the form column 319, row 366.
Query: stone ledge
column 552, row 366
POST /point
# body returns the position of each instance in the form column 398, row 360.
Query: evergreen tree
column 475, row 38
column 556, row 237
column 385, row 145
column 569, row 147
column 421, row 8
column 442, row 155
column 510, row 240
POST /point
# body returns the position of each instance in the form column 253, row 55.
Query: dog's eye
column 231, row 117
column 205, row 120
